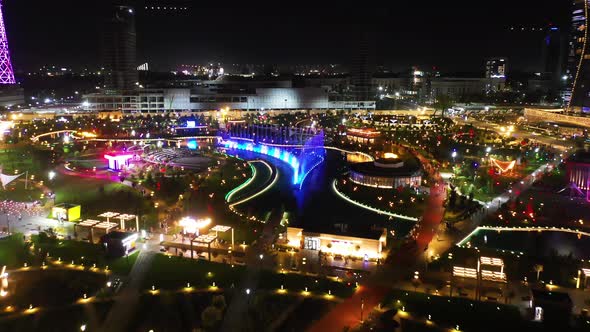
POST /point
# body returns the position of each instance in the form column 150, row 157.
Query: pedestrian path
column 126, row 304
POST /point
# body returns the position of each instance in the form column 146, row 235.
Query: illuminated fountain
column 301, row 160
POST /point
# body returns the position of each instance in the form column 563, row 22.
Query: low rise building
column 368, row 246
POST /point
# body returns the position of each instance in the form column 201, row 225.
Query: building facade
column 496, row 68
column 364, row 247
column 455, row 87
column 207, row 99
column 386, row 173
column 119, row 47
column 578, row 97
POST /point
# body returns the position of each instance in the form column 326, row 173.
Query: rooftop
column 361, row 231
column 408, row 167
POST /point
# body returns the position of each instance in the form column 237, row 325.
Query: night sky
column 451, row 35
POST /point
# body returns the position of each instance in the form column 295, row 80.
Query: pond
column 316, row 204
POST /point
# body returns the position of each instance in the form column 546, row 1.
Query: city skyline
column 465, row 35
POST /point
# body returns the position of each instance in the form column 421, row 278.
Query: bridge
column 52, row 134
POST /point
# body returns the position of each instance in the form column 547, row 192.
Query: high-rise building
column 362, row 65
column 578, row 71
column 554, row 54
column 496, row 68
column 119, row 47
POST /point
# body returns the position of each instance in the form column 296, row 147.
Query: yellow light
column 390, row 155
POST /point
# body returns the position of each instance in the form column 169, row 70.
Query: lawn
column 13, row 252
column 83, row 253
column 401, row 201
column 171, row 311
column 309, row 311
column 297, row 283
column 173, row 272
column 263, row 176
column 51, row 287
column 97, row 196
column 64, row 318
column 449, row 312
column 16, row 191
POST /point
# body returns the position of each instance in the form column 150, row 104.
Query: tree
column 443, row 103
column 210, row 317
column 218, row 302
column 452, row 198
column 538, row 268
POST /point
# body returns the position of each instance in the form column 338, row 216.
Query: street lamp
column 51, row 175
column 362, row 308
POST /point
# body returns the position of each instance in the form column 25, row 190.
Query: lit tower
column 6, row 72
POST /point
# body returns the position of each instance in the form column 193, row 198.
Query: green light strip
column 370, row 208
column 229, row 195
column 274, row 181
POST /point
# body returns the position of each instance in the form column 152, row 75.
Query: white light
column 85, row 103
column 454, row 154
column 488, row 149
column 247, row 291
column 83, row 328
column 51, row 175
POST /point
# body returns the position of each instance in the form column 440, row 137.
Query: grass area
column 173, row 272
column 13, row 252
column 263, row 175
column 171, row 312
column 294, row 282
column 449, row 312
column 70, row 250
column 82, row 253
column 64, row 318
column 264, row 309
column 16, row 191
column 123, row 265
column 51, row 287
column 97, row 196
column 21, row 158
column 402, row 201
column 312, row 309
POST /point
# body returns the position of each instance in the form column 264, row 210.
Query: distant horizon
column 451, row 37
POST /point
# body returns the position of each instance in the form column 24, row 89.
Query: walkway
column 125, row 306
column 238, row 307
